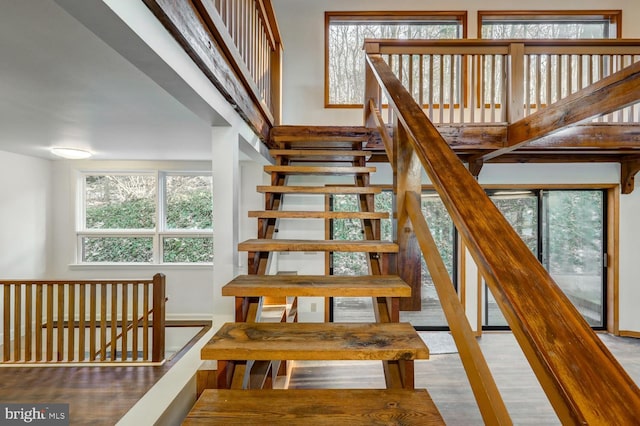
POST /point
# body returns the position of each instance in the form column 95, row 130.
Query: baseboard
column 629, row 333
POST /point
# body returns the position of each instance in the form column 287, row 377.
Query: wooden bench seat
column 315, row 341
column 315, row 407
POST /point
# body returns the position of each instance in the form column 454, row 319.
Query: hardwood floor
column 96, row 395
column 444, row 378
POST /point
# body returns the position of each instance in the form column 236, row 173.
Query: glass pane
column 545, row 30
column 443, row 233
column 346, row 56
column 189, row 202
column 573, row 244
column 520, row 208
column 117, row 249
column 187, row 250
column 120, row 202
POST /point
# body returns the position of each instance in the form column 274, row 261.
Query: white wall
column 302, row 27
column 25, row 191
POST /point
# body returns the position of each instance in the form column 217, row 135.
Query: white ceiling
column 60, row 85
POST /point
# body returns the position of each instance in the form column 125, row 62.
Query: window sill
column 153, row 266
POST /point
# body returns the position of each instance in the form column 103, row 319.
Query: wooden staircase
column 252, row 353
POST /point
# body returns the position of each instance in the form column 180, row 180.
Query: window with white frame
column 145, row 217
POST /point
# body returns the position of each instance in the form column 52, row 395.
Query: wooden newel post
column 407, row 178
column 515, row 103
column 371, row 88
column 159, row 300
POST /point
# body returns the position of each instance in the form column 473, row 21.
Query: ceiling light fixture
column 71, row 153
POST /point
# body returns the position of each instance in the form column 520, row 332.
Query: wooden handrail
column 583, row 381
column 484, row 388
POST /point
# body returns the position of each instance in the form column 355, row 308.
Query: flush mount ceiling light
column 71, row 153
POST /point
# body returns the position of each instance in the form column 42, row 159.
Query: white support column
column 226, row 188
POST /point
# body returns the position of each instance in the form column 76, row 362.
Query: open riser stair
column 252, row 353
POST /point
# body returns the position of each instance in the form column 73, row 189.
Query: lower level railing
column 83, row 321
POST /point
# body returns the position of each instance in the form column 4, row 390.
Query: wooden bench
column 315, row 407
column 315, row 341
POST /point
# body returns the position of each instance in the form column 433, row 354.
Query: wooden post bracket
column 629, row 166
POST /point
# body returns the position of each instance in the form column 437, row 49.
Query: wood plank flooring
column 96, row 395
column 444, row 377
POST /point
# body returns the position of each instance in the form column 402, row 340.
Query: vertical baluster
column 493, row 88
column 71, row 329
column 114, row 320
column 6, row 323
column 125, row 320
column 616, row 65
column 452, row 83
column 431, row 87
column 441, row 89
column 474, row 83
column 461, row 65
column 81, row 322
column 50, row 322
column 410, row 75
column 421, row 81
column 17, row 322
column 580, row 72
column 548, row 82
column 134, row 324
column 38, row 322
column 145, row 323
column 93, row 315
column 527, row 86
column 103, row 321
column 60, row 323
column 538, row 88
column 559, row 71
column 483, row 64
column 28, row 321
column 504, row 80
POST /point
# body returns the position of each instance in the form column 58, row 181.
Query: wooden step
column 365, row 246
column 302, row 407
column 317, row 286
column 315, row 341
column 280, row 189
column 286, row 214
column 318, row 170
column 319, row 154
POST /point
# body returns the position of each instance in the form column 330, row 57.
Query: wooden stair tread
column 289, row 214
column 317, row 286
column 319, row 170
column 315, row 341
column 343, row 154
column 320, row 189
column 366, row 246
column 302, row 407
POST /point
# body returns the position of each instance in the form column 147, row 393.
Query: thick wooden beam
column 629, row 167
column 582, row 379
column 184, row 23
column 603, row 97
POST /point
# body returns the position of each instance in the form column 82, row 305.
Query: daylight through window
column 152, row 217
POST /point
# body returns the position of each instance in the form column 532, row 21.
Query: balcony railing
column 86, row 321
column 498, row 81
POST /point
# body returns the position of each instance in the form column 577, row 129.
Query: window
column 566, row 230
column 360, row 309
column 147, row 217
column 549, row 24
column 345, row 33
